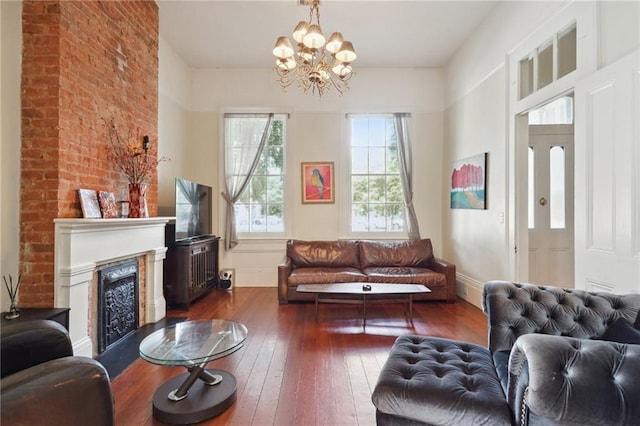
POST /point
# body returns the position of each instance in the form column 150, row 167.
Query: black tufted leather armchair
column 552, row 370
column 44, row 384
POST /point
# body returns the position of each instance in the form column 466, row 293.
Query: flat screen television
column 193, row 210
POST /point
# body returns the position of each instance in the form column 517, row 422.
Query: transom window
column 549, row 62
column 376, row 188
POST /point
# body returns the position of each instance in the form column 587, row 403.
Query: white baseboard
column 255, row 277
column 469, row 289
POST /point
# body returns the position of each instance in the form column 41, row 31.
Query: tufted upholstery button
column 439, row 372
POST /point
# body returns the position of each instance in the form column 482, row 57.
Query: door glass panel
column 567, row 51
column 531, row 203
column 557, row 187
column 545, row 65
column 526, row 77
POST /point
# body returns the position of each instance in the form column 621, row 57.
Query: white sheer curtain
column 404, row 159
column 245, row 136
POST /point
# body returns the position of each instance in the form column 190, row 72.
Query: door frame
column 584, row 15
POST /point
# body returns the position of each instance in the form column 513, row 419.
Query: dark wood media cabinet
column 190, row 270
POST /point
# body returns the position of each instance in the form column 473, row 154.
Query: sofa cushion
column 622, row 332
column 405, row 275
column 395, row 253
column 320, row 275
column 440, row 382
column 323, row 253
column 501, row 362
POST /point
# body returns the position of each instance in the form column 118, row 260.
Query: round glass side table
column 201, row 393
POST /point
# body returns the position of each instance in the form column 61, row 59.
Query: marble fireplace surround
column 83, row 245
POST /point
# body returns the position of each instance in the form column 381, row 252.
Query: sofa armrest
column 449, row 270
column 563, row 380
column 28, row 343
column 65, row 391
column 284, row 270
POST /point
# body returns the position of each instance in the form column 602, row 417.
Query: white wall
column 619, row 30
column 476, row 240
column 173, row 125
column 10, row 65
column 315, row 132
column 477, row 120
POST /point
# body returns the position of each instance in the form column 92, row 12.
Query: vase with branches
column 131, row 155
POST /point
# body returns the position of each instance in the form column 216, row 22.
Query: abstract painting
column 468, row 182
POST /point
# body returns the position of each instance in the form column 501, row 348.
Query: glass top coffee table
column 201, row 393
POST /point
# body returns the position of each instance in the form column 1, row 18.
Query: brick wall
column 82, row 62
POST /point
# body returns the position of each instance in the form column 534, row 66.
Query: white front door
column 550, row 205
column 607, row 192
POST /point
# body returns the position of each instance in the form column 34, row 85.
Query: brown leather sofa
column 385, row 261
column 43, row 383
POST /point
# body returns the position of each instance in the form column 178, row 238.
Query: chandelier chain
column 314, row 8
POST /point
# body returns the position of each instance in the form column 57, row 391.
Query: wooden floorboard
column 294, row 370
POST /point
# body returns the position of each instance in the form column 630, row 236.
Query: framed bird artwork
column 317, row 182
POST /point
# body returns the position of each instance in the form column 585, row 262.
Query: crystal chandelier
column 317, row 65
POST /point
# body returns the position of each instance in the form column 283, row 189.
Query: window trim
column 288, row 190
column 344, row 172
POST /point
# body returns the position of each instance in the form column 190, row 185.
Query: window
column 260, row 207
column 552, row 60
column 557, row 187
column 376, row 187
column 531, row 192
column 559, row 111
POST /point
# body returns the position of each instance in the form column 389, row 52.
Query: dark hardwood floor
column 292, row 369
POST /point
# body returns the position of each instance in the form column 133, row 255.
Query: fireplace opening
column 118, row 308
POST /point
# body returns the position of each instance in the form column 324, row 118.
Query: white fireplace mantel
column 81, row 245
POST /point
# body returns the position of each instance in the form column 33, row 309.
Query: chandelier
column 318, row 64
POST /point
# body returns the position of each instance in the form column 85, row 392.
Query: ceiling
column 241, row 33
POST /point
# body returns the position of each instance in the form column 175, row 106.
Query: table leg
column 182, row 391
column 208, row 378
column 364, row 308
column 196, row 372
column 411, row 307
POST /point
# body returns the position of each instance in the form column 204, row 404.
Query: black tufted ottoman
column 439, row 382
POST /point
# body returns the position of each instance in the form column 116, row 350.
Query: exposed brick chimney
column 82, row 61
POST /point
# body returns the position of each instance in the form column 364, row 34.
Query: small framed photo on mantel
column 317, row 182
column 107, row 204
column 89, row 204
